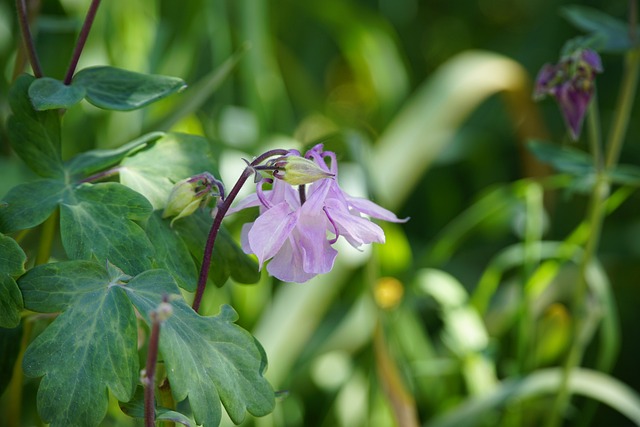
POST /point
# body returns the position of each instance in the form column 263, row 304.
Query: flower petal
column 311, row 237
column 355, row 229
column 367, row 207
column 286, row 265
column 271, row 230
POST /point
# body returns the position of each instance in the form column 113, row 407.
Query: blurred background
column 428, row 106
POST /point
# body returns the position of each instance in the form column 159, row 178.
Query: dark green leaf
column 34, row 135
column 613, row 32
column 228, row 259
column 116, row 89
column 135, row 409
column 88, row 348
column 97, row 221
column 28, row 205
column 176, row 156
column 9, row 348
column 93, row 161
column 171, row 252
column 48, row 94
column 563, row 159
column 208, row 359
column 12, row 259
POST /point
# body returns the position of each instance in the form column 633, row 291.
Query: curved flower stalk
column 297, row 228
column 571, row 82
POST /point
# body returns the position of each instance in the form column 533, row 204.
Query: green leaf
column 12, row 259
column 97, row 221
column 135, row 408
column 34, row 135
column 626, row 175
column 176, row 156
column 227, row 259
column 88, row 348
column 116, row 89
column 48, row 94
column 613, row 32
column 9, row 349
column 28, row 205
column 93, row 161
column 171, row 252
column 208, row 359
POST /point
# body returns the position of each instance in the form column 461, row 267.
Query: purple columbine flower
column 298, row 226
column 571, row 83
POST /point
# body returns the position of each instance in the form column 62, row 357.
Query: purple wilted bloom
column 296, row 228
column 571, row 83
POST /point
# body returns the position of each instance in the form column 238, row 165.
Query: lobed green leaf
column 28, row 205
column 48, row 94
column 171, row 253
column 89, row 348
column 208, row 359
column 116, row 89
column 34, row 135
column 97, row 220
column 12, row 259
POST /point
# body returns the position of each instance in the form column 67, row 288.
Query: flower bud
column 297, row 170
column 184, row 199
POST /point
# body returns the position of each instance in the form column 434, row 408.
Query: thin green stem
column 14, row 403
column 46, row 239
column 626, row 98
column 27, row 38
column 82, row 39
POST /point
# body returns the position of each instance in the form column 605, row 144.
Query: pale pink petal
column 286, row 265
column 367, row 207
column 311, row 236
column 355, row 229
column 271, row 230
column 248, row 202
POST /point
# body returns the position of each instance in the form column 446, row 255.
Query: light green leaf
column 34, row 135
column 175, row 156
column 171, row 252
column 28, row 205
column 116, row 89
column 613, row 32
column 89, row 348
column 48, row 94
column 12, row 259
column 227, row 259
column 96, row 160
column 97, row 221
column 208, row 359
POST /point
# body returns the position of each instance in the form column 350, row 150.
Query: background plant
column 486, row 267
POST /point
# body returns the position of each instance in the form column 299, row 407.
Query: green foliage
column 12, row 260
column 48, row 94
column 612, row 33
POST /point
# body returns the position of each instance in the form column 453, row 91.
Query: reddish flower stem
column 27, row 38
column 217, row 222
column 82, row 39
column 150, row 370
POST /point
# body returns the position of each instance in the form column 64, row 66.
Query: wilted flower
column 296, row 229
column 571, row 83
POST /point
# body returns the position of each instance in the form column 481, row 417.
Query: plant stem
column 217, row 222
column 623, row 108
column 27, row 38
column 82, row 39
column 597, row 212
column 157, row 316
column 46, row 239
column 101, row 175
